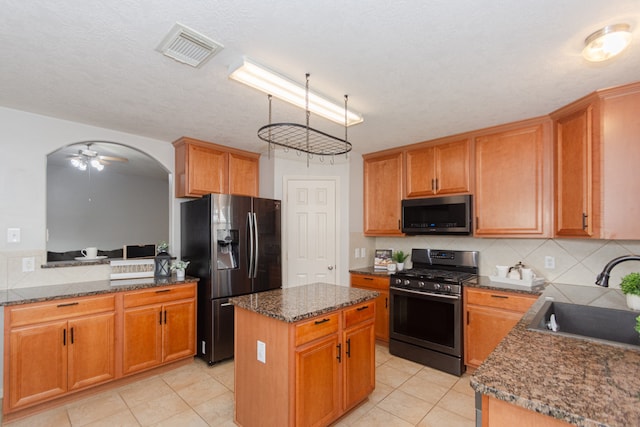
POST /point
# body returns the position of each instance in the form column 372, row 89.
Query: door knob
column 330, row 267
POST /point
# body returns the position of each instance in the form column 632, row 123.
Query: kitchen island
column 534, row 378
column 303, row 355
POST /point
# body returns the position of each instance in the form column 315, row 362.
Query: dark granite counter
column 582, row 382
column 72, row 290
column 302, row 302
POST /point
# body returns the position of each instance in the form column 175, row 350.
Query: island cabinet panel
column 497, row 413
column 158, row 326
column 313, row 370
column 203, row 167
column 513, row 180
column 383, row 189
column 489, row 316
column 53, row 348
column 438, row 169
column 379, row 284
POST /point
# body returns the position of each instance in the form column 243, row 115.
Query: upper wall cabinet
column 203, row 168
column 597, row 147
column 513, row 180
column 438, row 169
column 383, row 182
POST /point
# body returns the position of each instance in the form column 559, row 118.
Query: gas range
column 436, row 270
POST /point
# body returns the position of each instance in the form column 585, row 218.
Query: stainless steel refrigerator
column 233, row 245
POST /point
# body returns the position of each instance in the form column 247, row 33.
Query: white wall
column 26, row 140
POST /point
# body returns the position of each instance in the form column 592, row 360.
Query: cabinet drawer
column 158, row 295
column 359, row 313
column 499, row 299
column 316, row 328
column 60, row 309
column 367, row 281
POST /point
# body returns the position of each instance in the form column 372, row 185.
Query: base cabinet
column 489, row 316
column 159, row 327
column 313, row 370
column 497, row 413
column 57, row 347
column 379, row 284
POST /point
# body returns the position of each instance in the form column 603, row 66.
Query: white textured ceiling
column 416, row 70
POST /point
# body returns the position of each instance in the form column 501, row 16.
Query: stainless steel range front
column 426, row 308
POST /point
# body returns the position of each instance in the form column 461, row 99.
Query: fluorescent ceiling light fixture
column 607, row 42
column 269, row 82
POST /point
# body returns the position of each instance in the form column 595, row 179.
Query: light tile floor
column 406, row 394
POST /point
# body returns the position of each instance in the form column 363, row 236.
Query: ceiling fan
column 88, row 157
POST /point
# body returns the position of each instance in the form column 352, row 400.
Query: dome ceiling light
column 607, row 42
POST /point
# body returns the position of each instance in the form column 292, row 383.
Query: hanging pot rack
column 304, row 138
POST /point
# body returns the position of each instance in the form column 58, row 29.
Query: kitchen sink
column 607, row 325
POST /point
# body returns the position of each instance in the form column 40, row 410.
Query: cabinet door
column 511, row 183
column 359, row 364
column 452, row 167
column 317, row 382
column 179, row 335
column 142, row 338
column 207, row 170
column 382, row 194
column 37, row 363
column 574, row 214
column 485, row 328
column 91, row 350
column 382, row 316
column 243, row 175
column 421, row 172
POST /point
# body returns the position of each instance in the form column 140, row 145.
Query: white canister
column 502, row 270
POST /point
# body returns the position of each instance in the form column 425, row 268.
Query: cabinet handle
column 163, row 290
column 161, row 317
column 319, row 322
column 477, row 222
column 467, row 313
column 364, row 307
column 339, row 357
column 584, row 221
column 386, row 303
column 165, row 317
column 433, row 184
column 436, row 188
column 64, row 337
column 348, row 352
column 68, row 304
column 500, row 296
column 72, row 336
column 368, row 278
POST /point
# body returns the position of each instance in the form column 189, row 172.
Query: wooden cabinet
column 56, row 347
column 383, row 184
column 498, row 413
column 379, row 284
column 596, row 152
column 489, row 316
column 313, row 370
column 438, row 169
column 159, row 326
column 513, row 180
column 203, row 167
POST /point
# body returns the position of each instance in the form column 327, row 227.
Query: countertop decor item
column 400, row 257
column 162, row 260
column 179, row 267
column 630, row 286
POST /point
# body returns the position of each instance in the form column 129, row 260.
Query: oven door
column 427, row 320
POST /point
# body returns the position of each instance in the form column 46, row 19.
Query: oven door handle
column 427, row 293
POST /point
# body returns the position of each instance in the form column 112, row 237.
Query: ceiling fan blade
column 113, row 158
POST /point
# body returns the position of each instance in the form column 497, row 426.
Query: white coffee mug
column 90, row 252
column 528, row 274
column 502, row 270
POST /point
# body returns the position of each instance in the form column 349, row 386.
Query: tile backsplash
column 577, row 261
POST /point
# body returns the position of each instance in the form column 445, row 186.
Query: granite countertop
column 73, row 290
column 302, row 302
column 371, row 271
column 582, row 382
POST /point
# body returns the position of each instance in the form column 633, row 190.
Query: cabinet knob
column 330, row 267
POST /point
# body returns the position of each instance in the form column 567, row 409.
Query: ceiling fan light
column 607, row 42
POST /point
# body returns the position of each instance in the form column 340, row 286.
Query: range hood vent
column 188, row 46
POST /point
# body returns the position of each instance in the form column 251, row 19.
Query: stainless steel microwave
column 437, row 215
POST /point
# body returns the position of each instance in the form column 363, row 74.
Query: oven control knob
column 437, row 286
column 447, row 288
column 421, row 284
column 397, row 281
column 407, row 282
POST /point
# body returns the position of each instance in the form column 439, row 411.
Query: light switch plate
column 262, row 352
column 28, row 264
column 13, row 235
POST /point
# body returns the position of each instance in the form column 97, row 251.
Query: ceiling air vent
column 188, row 46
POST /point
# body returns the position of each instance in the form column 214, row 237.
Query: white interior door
column 311, row 231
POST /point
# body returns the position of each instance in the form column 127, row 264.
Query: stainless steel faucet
column 603, row 277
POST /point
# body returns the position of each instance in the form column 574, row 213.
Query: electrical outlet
column 357, row 254
column 549, row 262
column 13, row 235
column 363, row 252
column 28, row 264
column 262, row 352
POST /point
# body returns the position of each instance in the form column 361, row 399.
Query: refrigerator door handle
column 251, row 242
column 257, row 252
